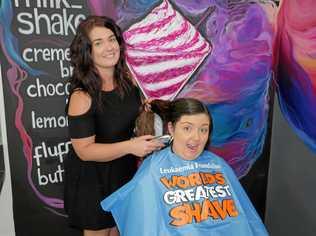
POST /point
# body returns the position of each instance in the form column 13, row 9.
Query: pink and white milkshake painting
column 163, row 51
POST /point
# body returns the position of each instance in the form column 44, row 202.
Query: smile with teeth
column 109, row 55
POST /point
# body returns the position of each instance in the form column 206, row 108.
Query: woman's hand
column 144, row 145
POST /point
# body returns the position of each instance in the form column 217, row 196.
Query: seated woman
column 183, row 189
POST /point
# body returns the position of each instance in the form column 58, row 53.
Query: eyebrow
column 187, row 122
column 98, row 39
column 110, row 37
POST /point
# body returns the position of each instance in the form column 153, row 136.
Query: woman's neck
column 107, row 78
column 108, row 85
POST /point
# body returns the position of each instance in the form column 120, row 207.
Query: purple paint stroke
column 102, row 7
column 206, row 14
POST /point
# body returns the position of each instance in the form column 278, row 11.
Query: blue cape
column 172, row 196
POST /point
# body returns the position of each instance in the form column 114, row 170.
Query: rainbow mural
column 227, row 59
column 233, row 78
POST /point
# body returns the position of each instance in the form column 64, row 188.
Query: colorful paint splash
column 234, row 79
column 297, row 67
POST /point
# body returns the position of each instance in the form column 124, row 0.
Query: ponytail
column 145, row 122
column 168, row 112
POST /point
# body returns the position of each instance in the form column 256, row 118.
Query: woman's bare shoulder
column 79, row 103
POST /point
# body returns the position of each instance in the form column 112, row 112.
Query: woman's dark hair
column 170, row 111
column 180, row 107
column 85, row 76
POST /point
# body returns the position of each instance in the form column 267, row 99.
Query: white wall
column 6, row 210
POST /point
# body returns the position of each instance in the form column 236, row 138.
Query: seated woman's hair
column 168, row 111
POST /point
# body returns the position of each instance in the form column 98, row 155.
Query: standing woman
column 103, row 105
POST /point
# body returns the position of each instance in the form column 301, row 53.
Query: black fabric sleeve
column 81, row 126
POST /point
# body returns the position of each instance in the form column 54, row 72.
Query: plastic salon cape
column 172, row 196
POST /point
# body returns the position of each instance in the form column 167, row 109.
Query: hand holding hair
column 144, row 145
column 147, row 104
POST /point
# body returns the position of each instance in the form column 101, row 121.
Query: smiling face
column 190, row 135
column 105, row 50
